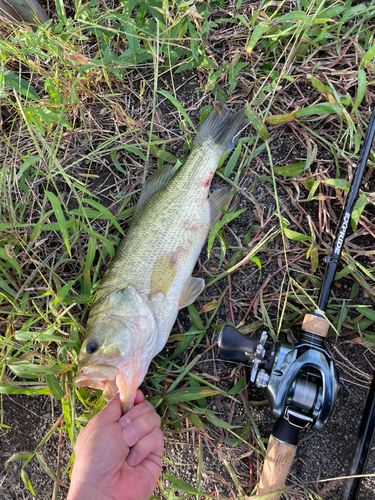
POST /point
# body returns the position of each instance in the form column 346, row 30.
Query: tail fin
column 221, row 127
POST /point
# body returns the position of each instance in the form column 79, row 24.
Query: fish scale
column 149, row 278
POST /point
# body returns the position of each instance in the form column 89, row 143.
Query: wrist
column 84, row 492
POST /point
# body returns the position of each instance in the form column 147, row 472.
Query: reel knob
column 233, row 346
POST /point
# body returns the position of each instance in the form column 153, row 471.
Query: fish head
column 120, row 342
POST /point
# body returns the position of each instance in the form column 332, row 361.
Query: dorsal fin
column 156, row 181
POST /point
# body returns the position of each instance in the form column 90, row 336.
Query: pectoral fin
column 218, row 200
column 192, row 289
column 162, row 276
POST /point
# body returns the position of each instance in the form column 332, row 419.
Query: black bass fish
column 149, row 278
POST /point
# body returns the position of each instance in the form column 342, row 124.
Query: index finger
column 139, row 397
column 135, row 412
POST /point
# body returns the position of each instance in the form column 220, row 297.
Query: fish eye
column 92, row 347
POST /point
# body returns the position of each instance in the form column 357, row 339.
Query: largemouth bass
column 149, row 278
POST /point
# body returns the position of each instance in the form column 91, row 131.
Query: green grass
column 82, row 107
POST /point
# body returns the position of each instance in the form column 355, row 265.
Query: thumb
column 109, row 414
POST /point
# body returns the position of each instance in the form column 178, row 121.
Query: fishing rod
column 362, row 451
column 301, row 381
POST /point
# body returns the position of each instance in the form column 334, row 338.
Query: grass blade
column 104, row 211
column 60, row 220
column 174, row 101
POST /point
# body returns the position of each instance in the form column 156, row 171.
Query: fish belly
column 184, row 258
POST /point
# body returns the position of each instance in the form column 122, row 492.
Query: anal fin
column 192, row 289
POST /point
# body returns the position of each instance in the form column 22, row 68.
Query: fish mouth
column 111, row 380
column 95, row 376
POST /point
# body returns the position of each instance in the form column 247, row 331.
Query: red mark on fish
column 191, row 226
column 208, row 181
column 175, row 255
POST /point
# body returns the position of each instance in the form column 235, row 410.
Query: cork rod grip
column 276, row 467
column 314, row 324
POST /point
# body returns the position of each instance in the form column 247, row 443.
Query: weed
column 93, row 104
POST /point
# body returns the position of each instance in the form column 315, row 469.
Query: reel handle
column 233, row 346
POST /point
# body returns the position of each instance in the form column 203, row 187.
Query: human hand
column 118, row 457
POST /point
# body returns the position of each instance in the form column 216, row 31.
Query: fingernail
column 132, row 458
column 129, row 436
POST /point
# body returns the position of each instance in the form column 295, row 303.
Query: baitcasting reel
column 301, row 381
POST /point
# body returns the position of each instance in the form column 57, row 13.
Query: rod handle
column 314, row 324
column 276, row 467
